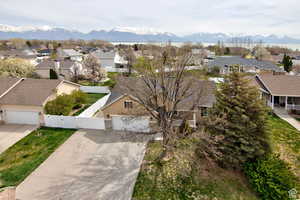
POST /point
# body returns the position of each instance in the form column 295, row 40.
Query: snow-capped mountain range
column 130, row 34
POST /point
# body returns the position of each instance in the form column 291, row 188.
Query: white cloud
column 178, row 16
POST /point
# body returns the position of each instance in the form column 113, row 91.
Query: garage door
column 21, row 117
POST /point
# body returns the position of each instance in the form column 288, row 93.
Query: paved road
column 282, row 113
column 88, row 166
column 12, row 133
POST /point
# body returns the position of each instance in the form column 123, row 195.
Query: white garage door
column 21, row 117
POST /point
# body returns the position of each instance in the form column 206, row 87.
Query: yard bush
column 62, row 105
column 271, row 178
column 80, row 98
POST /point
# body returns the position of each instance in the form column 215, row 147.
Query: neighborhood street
column 90, row 165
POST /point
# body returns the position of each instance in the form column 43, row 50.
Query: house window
column 128, row 104
column 204, row 111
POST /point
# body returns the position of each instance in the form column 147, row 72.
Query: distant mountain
column 215, row 37
column 128, row 34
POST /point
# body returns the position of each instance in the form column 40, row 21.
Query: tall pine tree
column 287, row 63
column 238, row 122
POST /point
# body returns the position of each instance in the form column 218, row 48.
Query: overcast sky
column 279, row 17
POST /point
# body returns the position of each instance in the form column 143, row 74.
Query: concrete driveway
column 91, row 165
column 12, row 133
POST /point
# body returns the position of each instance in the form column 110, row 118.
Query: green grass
column 17, row 162
column 88, row 83
column 110, row 83
column 187, row 178
column 182, row 179
column 285, row 140
column 91, row 99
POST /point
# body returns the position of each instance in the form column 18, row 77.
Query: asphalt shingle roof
column 6, row 83
column 202, row 91
column 281, row 85
column 235, row 60
column 32, row 92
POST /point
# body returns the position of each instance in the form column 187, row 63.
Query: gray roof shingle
column 32, row 92
column 7, row 83
column 235, row 60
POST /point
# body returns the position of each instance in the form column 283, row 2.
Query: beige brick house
column 123, row 103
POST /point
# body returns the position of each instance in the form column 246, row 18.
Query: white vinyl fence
column 114, row 69
column 90, row 111
column 74, row 122
column 131, row 123
column 95, row 89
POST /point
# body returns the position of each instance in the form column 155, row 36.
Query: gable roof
column 66, row 64
column 204, row 88
column 6, row 84
column 104, row 54
column 32, row 92
column 70, row 52
column 50, row 64
column 222, row 61
column 45, row 64
column 280, row 85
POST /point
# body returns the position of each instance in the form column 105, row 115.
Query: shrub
column 271, row 177
column 79, row 98
column 62, row 105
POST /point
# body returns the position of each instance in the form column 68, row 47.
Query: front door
column 276, row 100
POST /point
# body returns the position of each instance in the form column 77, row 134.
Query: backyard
column 91, row 99
column 17, row 162
column 110, row 83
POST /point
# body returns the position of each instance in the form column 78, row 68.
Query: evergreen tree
column 53, row 74
column 287, row 63
column 237, row 122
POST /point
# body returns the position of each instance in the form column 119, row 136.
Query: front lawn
column 91, row 99
column 285, row 140
column 187, row 177
column 24, row 157
column 180, row 178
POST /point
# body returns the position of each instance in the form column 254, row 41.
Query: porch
column 286, row 102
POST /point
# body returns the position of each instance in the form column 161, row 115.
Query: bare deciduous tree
column 162, row 86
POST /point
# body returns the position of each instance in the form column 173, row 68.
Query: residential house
column 25, row 54
column 227, row 64
column 66, row 69
column 121, row 102
column 281, row 91
column 69, row 54
column 111, row 60
column 44, row 52
column 296, row 60
column 22, row 100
